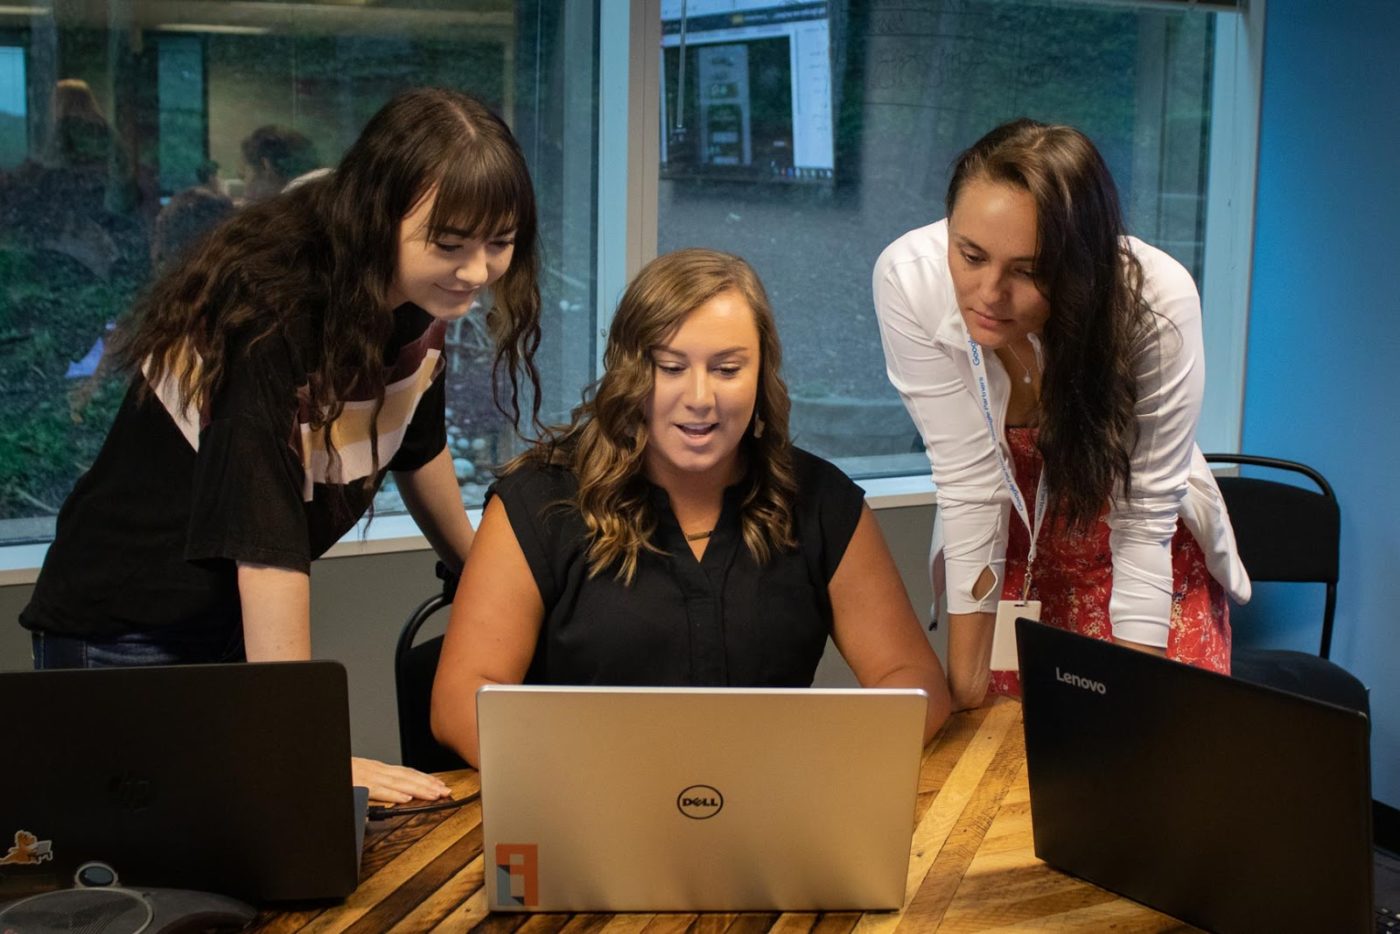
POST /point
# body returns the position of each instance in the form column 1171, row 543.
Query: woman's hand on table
column 395, row 784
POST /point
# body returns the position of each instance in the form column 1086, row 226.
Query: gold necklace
column 696, row 536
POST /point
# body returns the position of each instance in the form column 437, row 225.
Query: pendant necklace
column 1017, row 357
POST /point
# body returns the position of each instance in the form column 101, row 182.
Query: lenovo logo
column 1087, row 684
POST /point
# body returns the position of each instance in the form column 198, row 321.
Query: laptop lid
column 232, row 779
column 1229, row 805
column 697, row 799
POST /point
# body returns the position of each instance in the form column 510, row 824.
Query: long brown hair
column 1098, row 318
column 328, row 250
column 605, row 443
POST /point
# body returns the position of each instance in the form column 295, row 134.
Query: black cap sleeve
column 538, row 501
column 829, row 509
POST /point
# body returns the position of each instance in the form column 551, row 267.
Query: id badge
column 1004, row 656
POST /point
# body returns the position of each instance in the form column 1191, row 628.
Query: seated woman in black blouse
column 672, row 535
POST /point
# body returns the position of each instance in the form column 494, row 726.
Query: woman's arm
column 1170, row 371
column 969, row 657
column 434, row 500
column 276, row 605
column 491, row 637
column 912, row 299
column 277, row 627
column 874, row 626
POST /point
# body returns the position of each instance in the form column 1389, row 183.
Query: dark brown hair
column 328, row 250
column 1098, row 318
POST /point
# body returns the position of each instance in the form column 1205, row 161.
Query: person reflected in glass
column 80, row 136
column 79, row 197
column 1034, row 342
column 671, row 534
column 279, row 372
column 274, row 157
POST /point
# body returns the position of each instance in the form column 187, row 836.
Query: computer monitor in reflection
column 748, row 91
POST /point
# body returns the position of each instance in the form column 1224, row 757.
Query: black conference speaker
column 99, row 904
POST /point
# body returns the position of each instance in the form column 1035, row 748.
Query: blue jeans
column 137, row 648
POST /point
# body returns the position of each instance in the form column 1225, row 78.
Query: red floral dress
column 1073, row 580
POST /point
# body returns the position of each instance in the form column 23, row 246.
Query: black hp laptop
column 1225, row 804
column 232, row 779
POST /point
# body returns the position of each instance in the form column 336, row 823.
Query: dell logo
column 1087, row 684
column 700, row 802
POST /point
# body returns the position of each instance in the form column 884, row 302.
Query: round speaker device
column 99, row 904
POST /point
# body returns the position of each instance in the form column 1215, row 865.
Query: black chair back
column 1285, row 532
column 414, row 669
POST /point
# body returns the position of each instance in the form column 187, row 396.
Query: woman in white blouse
column 1031, row 339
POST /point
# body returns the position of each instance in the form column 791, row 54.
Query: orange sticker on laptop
column 28, row 850
column 518, row 874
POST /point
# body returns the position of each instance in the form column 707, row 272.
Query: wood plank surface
column 972, row 866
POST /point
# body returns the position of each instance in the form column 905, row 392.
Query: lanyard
column 979, row 372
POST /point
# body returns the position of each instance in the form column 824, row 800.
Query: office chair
column 1289, row 533
column 414, row 668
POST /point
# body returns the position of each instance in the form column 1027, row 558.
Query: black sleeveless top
column 721, row 620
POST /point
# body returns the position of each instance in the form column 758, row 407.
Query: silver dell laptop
column 697, row 799
column 1232, row 806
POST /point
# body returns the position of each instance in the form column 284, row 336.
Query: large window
column 807, row 136
column 803, row 135
column 126, row 129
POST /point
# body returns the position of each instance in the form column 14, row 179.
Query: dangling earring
column 757, row 427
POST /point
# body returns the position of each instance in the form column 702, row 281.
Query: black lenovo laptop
column 1228, row 805
column 233, row 779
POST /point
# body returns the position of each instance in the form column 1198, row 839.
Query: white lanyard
column 979, row 372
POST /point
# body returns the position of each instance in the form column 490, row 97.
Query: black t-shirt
column 722, row 620
column 149, row 537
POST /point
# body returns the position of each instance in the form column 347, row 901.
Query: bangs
column 480, row 197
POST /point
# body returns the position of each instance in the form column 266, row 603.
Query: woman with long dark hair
column 280, row 370
column 671, row 534
column 1054, row 367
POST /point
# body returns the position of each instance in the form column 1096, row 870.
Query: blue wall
column 1323, row 366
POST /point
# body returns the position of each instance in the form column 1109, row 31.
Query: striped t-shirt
column 150, row 535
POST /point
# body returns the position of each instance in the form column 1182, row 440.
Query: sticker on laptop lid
column 517, row 874
column 28, row 850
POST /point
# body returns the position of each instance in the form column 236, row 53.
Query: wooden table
column 971, row 867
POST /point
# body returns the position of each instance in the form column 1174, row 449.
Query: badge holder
column 1004, row 655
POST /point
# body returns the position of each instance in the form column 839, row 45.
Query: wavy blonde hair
column 605, row 443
